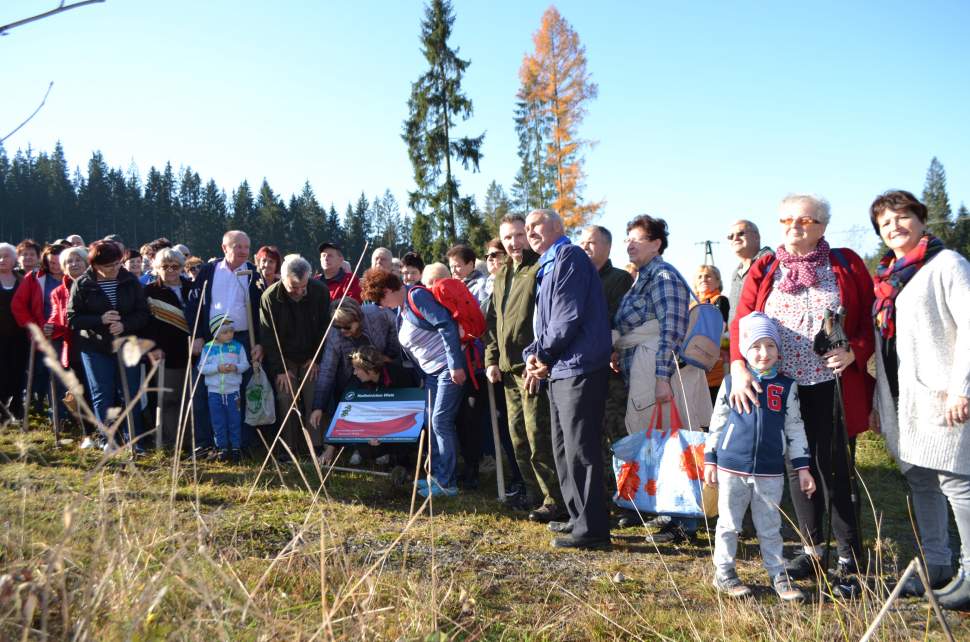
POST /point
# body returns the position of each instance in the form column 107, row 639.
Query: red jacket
column 338, row 285
column 855, row 290
column 59, row 298
column 28, row 302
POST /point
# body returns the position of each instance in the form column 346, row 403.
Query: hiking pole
column 55, row 410
column 499, row 473
column 30, row 385
column 160, row 397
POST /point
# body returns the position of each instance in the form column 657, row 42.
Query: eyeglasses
column 736, row 235
column 803, row 221
column 627, row 241
column 494, row 256
column 172, row 267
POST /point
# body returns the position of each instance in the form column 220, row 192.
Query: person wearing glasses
column 107, row 303
column 745, row 240
column 797, row 287
column 495, row 257
column 169, row 329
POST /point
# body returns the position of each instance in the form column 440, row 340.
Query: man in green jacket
column 597, row 241
column 509, row 332
column 294, row 313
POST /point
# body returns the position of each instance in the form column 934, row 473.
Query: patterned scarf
column 802, row 270
column 892, row 274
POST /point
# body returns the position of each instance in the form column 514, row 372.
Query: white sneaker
column 87, row 443
column 355, row 458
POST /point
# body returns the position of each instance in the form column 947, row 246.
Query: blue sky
column 707, row 112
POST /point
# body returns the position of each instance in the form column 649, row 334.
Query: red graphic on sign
column 344, row 428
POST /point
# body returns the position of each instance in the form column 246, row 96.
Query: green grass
column 112, row 552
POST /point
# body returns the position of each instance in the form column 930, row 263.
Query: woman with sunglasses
column 797, row 288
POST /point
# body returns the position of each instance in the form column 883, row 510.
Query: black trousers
column 13, row 373
column 576, row 407
column 830, row 466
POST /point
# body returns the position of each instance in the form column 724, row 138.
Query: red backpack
column 454, row 295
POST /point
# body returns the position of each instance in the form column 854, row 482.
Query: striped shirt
column 110, row 289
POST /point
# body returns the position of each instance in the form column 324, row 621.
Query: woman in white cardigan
column 922, row 319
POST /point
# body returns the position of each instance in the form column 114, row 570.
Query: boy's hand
column 805, row 482
column 710, row 474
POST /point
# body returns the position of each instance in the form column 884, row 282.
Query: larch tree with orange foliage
column 556, row 87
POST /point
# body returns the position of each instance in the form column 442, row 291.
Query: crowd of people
column 815, row 350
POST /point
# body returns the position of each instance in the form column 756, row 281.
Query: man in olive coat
column 509, row 332
column 293, row 314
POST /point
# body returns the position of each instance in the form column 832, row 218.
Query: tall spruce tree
column 497, row 205
column 436, row 103
column 243, row 208
column 357, row 228
column 938, row 202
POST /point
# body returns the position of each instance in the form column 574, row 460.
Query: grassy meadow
column 96, row 549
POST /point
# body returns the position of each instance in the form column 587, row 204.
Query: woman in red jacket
column 796, row 289
column 32, row 304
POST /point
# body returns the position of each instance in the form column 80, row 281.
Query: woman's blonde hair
column 346, row 312
column 711, row 270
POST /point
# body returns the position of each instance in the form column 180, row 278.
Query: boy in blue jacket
column 745, row 456
column 223, row 362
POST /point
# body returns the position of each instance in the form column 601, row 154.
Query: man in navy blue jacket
column 571, row 353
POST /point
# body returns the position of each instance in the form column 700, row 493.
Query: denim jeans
column 446, row 397
column 104, row 380
column 226, row 420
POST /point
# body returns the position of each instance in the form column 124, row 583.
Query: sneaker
column 672, row 533
column 802, row 565
column 223, row 455
column 87, row 443
column 939, row 577
column 355, row 458
column 436, row 490
column 955, row 595
column 548, row 513
column 731, row 585
column 515, row 489
column 560, row 527
column 787, row 590
column 846, row 583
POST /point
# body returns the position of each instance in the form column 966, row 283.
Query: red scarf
column 892, row 275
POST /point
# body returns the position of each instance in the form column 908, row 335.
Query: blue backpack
column 705, row 325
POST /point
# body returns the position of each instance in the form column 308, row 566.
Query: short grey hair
column 549, row 215
column 66, row 255
column 295, row 265
column 184, row 249
column 820, row 206
column 433, row 272
column 231, row 234
column 169, row 254
column 6, row 247
column 605, row 233
column 381, row 251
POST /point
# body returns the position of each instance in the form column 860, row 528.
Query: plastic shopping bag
column 661, row 470
column 260, row 403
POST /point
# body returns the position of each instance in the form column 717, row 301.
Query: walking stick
column 55, row 410
column 30, row 385
column 159, row 401
column 127, row 394
column 499, row 474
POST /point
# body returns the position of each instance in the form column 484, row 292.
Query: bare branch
column 47, row 93
column 40, row 16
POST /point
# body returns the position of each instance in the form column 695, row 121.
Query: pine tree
column 937, row 202
column 435, row 104
column 307, row 223
column 243, row 208
column 213, row 222
column 358, row 228
column 271, row 225
column 555, row 78
column 961, row 232
column 535, row 182
column 334, row 231
column 95, row 197
column 497, row 205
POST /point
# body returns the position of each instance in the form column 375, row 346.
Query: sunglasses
column 492, row 256
column 736, row 235
column 803, row 221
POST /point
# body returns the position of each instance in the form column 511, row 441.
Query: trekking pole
column 159, row 402
column 499, row 473
column 30, row 385
column 55, row 410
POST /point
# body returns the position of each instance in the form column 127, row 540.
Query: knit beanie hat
column 219, row 321
column 756, row 326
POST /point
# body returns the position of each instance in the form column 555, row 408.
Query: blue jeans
column 445, row 399
column 104, row 380
column 226, row 420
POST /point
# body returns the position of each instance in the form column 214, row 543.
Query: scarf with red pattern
column 802, row 270
column 893, row 274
